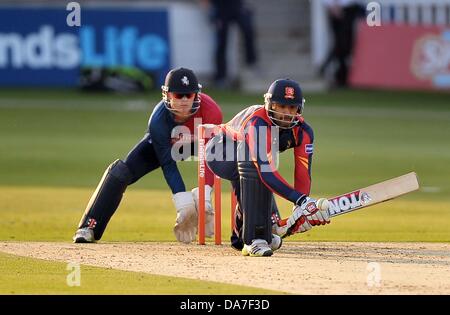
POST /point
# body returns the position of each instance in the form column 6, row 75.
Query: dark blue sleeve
column 160, row 133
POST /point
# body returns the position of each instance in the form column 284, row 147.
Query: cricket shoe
column 258, row 248
column 276, row 243
column 84, row 235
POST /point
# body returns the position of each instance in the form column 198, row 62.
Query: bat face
column 373, row 194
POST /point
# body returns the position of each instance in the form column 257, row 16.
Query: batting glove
column 296, row 223
column 316, row 211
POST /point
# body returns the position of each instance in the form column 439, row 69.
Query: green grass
column 67, row 139
column 35, row 214
column 20, row 275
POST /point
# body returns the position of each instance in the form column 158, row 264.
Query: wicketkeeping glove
column 186, row 224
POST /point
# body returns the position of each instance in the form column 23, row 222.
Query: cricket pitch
column 297, row 268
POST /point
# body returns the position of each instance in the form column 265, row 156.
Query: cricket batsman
column 245, row 151
column 182, row 103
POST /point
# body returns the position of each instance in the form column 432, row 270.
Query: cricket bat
column 373, row 194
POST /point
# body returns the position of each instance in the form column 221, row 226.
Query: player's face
column 182, row 103
column 284, row 113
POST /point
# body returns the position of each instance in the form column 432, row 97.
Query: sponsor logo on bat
column 348, row 202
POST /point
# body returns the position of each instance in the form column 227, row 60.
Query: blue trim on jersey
column 307, row 128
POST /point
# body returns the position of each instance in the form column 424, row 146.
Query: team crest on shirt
column 185, row 80
column 289, row 92
column 309, row 148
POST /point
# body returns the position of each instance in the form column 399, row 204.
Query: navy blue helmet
column 284, row 92
column 182, row 82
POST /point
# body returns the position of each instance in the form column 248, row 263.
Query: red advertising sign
column 401, row 56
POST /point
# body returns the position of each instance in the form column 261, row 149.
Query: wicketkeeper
column 182, row 104
column 245, row 152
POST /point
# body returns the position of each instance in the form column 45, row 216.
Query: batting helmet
column 284, row 92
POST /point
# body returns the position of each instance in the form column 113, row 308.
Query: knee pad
column 120, row 171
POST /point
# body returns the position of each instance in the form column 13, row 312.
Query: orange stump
column 217, row 194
